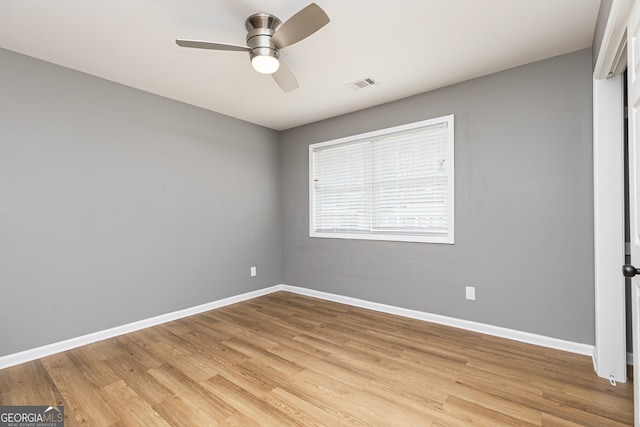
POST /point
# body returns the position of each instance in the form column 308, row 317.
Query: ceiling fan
column 266, row 36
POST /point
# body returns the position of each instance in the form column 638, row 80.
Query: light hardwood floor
column 290, row 360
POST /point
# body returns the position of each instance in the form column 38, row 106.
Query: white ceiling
column 406, row 46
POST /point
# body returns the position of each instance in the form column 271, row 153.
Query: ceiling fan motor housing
column 260, row 27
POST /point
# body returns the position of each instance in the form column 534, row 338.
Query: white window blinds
column 395, row 184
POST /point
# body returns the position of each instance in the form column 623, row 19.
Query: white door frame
column 608, row 173
column 609, row 356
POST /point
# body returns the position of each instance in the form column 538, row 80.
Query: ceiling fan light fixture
column 265, row 64
column 266, row 35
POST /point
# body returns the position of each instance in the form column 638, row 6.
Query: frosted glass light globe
column 265, row 64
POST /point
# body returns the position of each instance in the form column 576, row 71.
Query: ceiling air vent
column 362, row 83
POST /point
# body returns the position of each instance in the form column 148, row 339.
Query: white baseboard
column 47, row 350
column 497, row 331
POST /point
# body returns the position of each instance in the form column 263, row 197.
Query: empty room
column 283, row 213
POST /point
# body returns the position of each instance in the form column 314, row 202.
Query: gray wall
column 524, row 206
column 117, row 205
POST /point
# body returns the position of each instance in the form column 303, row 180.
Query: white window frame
column 420, row 238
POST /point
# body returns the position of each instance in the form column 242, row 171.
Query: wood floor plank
column 131, row 408
column 257, row 408
column 524, row 413
column 136, row 376
column 28, row 382
column 177, row 411
column 483, row 414
column 137, row 346
column 193, row 393
column 291, row 360
column 85, row 402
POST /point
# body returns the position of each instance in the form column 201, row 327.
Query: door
column 633, row 88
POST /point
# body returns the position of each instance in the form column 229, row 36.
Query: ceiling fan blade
column 200, row 44
column 285, row 78
column 300, row 26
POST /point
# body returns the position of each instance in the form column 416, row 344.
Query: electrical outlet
column 254, row 272
column 471, row 292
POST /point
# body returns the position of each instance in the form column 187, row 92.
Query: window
column 393, row 184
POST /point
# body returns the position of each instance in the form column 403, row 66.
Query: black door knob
column 629, row 270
